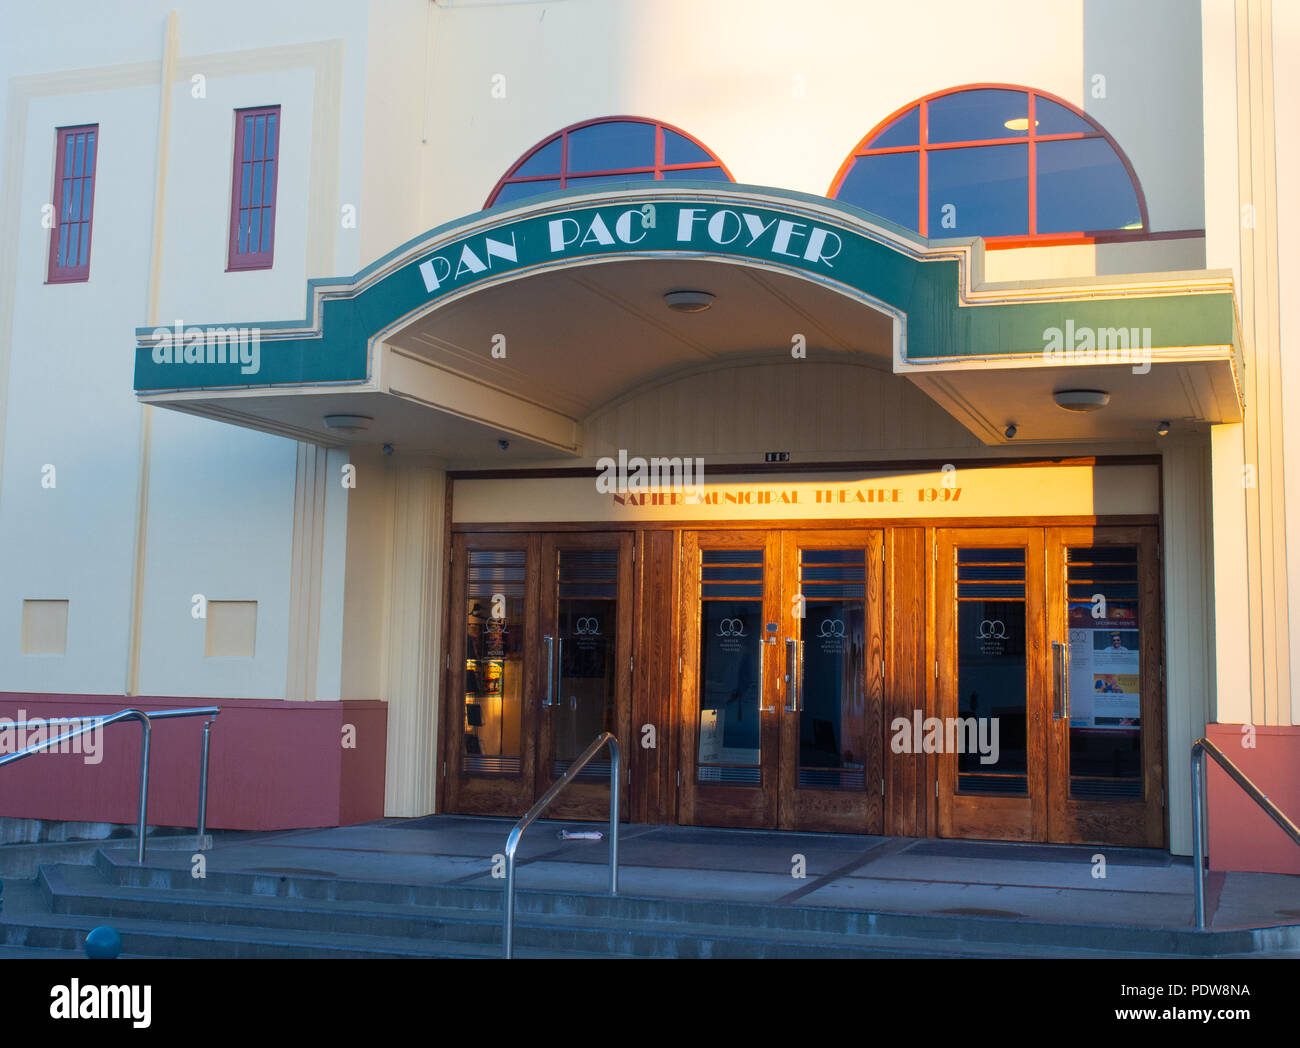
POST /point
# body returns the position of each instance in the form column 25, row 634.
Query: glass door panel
column 992, row 672
column 731, row 665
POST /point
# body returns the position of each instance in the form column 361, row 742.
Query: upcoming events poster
column 1105, row 669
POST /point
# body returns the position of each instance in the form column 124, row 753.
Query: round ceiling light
column 1081, row 399
column 348, row 423
column 688, row 301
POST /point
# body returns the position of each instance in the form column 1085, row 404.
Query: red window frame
column 80, row 187
column 262, row 213
column 658, row 167
column 1031, row 138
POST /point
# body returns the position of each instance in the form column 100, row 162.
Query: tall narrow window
column 252, row 194
column 74, row 201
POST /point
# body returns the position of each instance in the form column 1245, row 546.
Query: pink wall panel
column 1242, row 837
column 274, row 764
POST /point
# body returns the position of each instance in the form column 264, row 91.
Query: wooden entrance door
column 990, row 728
column 1106, row 739
column 586, row 624
column 781, row 688
column 1049, row 715
column 540, row 637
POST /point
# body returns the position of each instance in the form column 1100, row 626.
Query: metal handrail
column 1202, row 748
column 512, row 842
column 145, row 719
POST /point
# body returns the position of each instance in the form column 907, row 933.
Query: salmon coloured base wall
column 273, row 764
column 1242, row 837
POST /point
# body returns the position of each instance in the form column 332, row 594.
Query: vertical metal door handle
column 1058, row 680
column 762, row 676
column 792, row 682
column 550, row 669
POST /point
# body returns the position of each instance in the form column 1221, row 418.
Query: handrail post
column 203, row 784
column 517, row 831
column 615, row 781
column 1198, row 843
column 145, row 729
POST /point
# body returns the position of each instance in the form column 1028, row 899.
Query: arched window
column 997, row 161
column 612, row 149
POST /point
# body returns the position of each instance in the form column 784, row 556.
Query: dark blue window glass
column 905, row 131
column 1083, row 186
column 519, row 190
column 1053, row 119
column 979, row 191
column 679, row 149
column 699, row 174
column 546, row 161
column 610, row 147
column 969, row 116
column 887, row 185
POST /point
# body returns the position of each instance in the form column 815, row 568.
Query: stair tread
column 90, row 886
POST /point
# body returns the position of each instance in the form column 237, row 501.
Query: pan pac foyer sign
column 694, row 228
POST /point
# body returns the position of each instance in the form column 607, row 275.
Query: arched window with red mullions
column 611, row 149
column 1008, row 163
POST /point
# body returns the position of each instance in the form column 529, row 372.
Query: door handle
column 549, row 700
column 791, row 676
column 762, row 675
column 1061, row 698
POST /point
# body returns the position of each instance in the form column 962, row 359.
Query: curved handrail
column 517, row 832
column 1202, row 748
column 145, row 719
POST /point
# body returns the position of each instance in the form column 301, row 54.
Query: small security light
column 1081, row 399
column 1010, row 431
column 1162, row 430
column 688, row 301
column 504, row 445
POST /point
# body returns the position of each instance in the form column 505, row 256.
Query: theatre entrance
column 782, row 680
column 744, row 670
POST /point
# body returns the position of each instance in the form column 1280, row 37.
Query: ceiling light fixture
column 688, row 301
column 1162, row 430
column 348, row 423
column 1011, row 431
column 1081, row 399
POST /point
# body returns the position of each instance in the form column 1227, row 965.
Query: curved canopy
column 899, row 302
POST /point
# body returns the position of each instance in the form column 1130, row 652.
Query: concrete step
column 938, row 934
